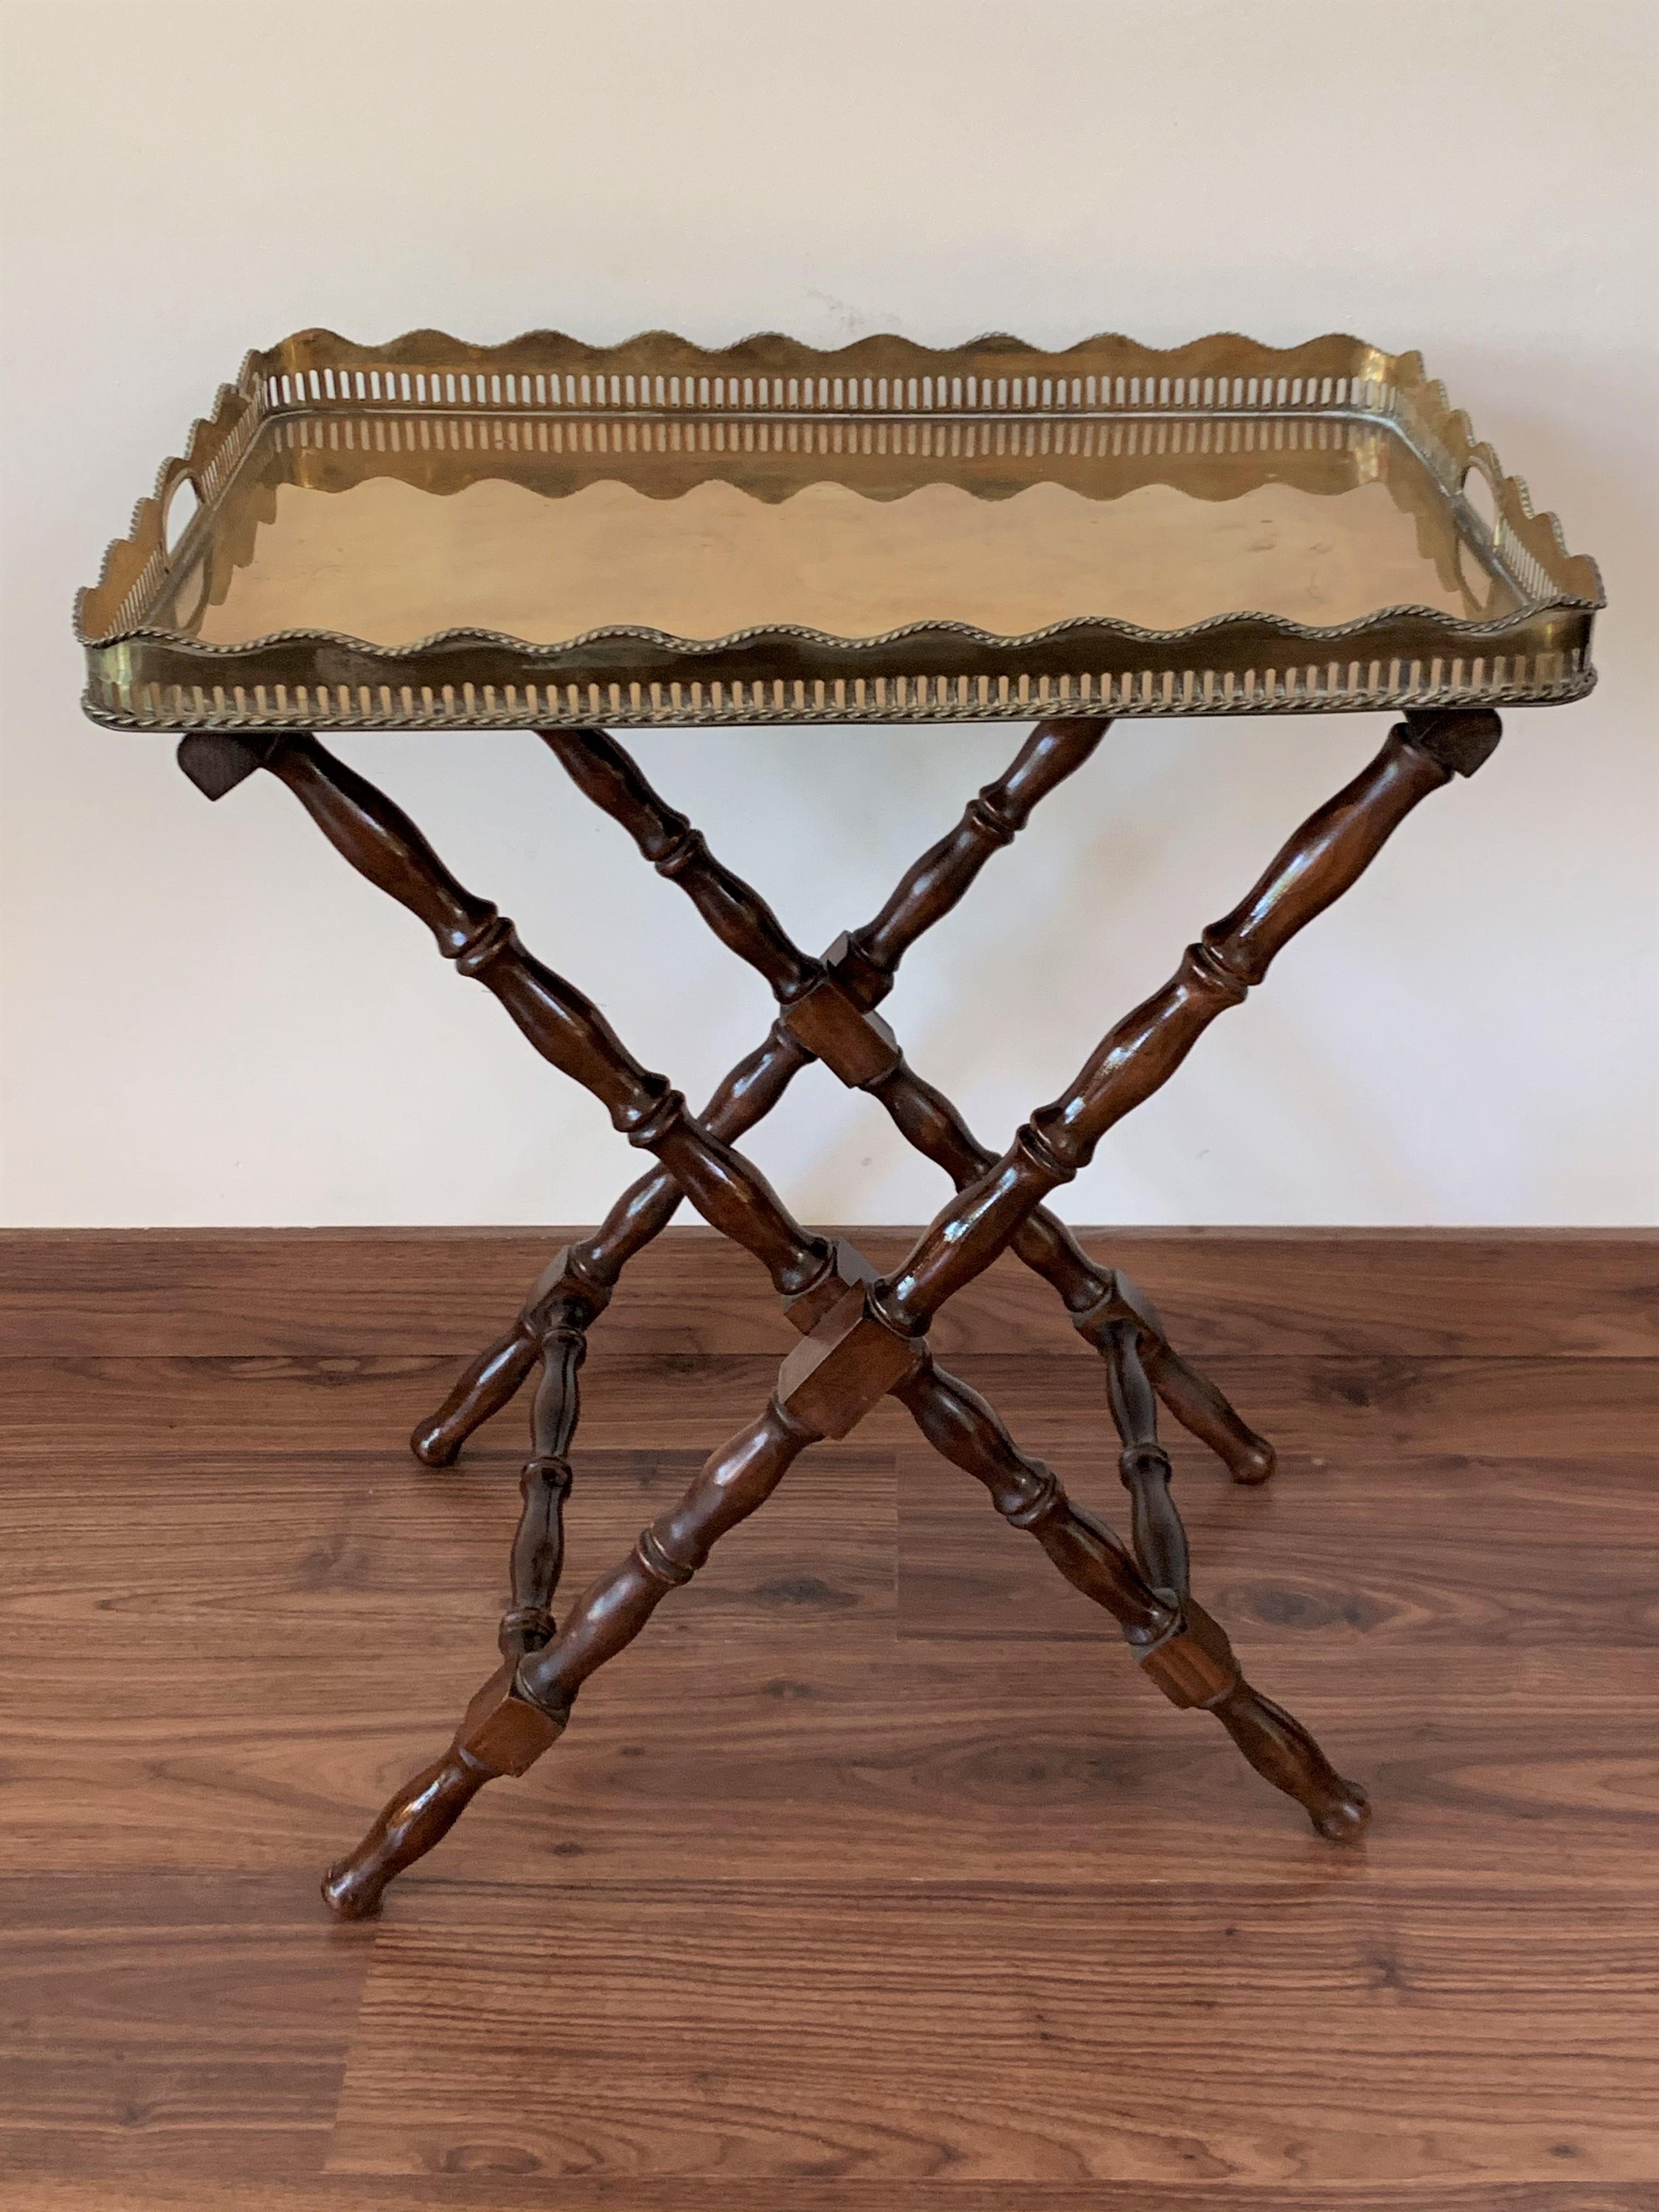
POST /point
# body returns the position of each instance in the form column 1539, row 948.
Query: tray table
column 544, row 535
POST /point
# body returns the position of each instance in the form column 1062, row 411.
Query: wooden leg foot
column 1191, row 1397
column 502, row 1732
column 1204, row 1413
column 487, row 1385
column 1283, row 1753
column 420, row 1814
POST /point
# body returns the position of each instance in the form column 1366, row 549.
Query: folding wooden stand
column 862, row 1337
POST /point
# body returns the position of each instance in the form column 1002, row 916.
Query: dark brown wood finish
column 827, row 1013
column 586, row 1271
column 962, row 1428
column 1160, row 1540
column 522, row 1709
column 945, row 873
column 382, row 842
column 590, row 1268
column 1185, row 1651
column 874, row 1825
column 1325, row 858
column 537, row 1557
column 862, row 1336
column 737, row 914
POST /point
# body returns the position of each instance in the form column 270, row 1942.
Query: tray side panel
column 485, row 683
column 142, row 674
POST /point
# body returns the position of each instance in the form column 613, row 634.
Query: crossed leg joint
column 826, row 1014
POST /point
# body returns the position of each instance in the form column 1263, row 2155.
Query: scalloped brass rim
column 112, row 616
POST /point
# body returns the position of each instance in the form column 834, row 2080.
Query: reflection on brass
column 428, row 533
column 391, row 564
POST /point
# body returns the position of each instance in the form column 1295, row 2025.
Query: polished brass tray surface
column 433, row 534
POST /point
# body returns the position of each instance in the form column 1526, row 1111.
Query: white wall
column 209, row 1018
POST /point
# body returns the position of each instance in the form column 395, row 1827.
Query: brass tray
column 432, row 534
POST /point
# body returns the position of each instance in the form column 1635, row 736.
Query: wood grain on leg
column 1324, row 859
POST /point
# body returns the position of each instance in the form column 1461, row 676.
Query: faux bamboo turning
column 862, row 1338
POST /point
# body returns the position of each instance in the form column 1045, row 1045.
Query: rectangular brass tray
column 432, row 534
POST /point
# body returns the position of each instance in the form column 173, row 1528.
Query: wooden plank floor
column 872, row 1877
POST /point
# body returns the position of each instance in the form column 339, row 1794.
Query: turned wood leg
column 521, row 1712
column 564, row 1026
column 502, row 1732
column 422, row 1815
column 1204, row 1413
column 845, row 1362
column 1094, row 1297
column 590, row 1270
column 826, row 1002
column 1117, row 1304
column 1278, row 1747
column 491, row 1380
column 963, row 1428
column 1283, row 1753
column 550, row 1328
column 537, row 1555
column 864, row 1338
column 1184, row 1650
column 1160, row 1540
column 1324, row 859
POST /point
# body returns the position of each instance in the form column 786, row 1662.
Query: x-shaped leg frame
column 827, row 1015
column 863, row 1337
